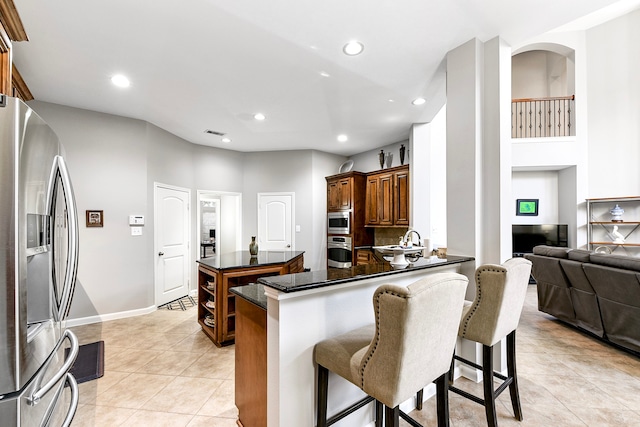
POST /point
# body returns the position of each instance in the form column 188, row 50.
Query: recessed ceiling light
column 120, row 80
column 353, row 48
column 419, row 101
column 325, row 74
column 259, row 116
column 342, row 138
column 226, row 140
column 392, row 100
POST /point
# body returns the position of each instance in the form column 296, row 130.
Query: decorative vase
column 389, row 158
column 616, row 213
column 402, row 149
column 381, row 158
column 253, row 246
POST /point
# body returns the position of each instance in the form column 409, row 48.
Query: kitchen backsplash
column 388, row 236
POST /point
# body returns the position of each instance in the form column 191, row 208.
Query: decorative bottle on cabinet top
column 253, row 246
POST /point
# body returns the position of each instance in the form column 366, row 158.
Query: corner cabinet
column 217, row 306
column 603, row 229
column 387, row 198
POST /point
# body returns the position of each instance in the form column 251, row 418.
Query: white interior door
column 275, row 221
column 172, row 231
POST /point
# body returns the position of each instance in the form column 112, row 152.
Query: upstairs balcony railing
column 543, row 117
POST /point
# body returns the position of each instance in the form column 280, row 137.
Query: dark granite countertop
column 242, row 259
column 253, row 292
column 333, row 276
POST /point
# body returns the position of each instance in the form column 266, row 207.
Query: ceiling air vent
column 213, row 132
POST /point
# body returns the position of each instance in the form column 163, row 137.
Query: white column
column 479, row 159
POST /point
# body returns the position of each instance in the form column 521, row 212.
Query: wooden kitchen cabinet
column 216, row 275
column 387, row 198
column 339, row 193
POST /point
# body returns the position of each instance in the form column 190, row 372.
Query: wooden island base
column 217, row 275
column 251, row 364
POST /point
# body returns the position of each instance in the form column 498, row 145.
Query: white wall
column 114, row 162
column 613, row 67
column 107, row 162
column 290, row 171
column 542, row 185
column 539, row 74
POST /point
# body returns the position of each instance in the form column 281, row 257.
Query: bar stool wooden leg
column 511, row 369
column 487, row 379
column 323, row 388
column 392, row 417
column 442, row 400
column 379, row 413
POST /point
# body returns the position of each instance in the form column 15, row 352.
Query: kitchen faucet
column 406, row 236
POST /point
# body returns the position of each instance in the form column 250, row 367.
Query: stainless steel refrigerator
column 38, row 265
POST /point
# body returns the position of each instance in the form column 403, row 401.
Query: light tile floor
column 161, row 370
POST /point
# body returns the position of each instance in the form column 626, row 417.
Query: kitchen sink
column 397, row 249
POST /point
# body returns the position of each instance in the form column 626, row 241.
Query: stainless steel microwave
column 339, row 223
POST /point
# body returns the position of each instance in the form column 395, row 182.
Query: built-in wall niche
column 556, row 192
column 209, row 218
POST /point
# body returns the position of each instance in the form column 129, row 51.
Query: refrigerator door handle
column 60, row 167
column 71, row 357
column 72, row 265
column 73, row 405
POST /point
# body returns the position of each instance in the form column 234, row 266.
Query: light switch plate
column 136, row 219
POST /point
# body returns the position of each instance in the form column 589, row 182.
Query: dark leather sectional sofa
column 598, row 293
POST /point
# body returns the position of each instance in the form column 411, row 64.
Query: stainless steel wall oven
column 339, row 252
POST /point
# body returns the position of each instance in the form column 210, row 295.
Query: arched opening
column 543, row 92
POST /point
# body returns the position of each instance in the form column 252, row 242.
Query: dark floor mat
column 89, row 364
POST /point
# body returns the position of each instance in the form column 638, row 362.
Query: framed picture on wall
column 527, row 207
column 95, row 219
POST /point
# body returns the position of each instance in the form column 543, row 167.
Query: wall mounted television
column 527, row 207
column 526, row 236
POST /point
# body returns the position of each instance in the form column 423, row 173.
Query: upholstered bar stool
column 409, row 346
column 493, row 315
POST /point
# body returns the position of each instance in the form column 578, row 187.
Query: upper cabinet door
column 401, row 198
column 339, row 194
column 371, row 201
column 387, row 201
column 385, row 197
column 345, row 193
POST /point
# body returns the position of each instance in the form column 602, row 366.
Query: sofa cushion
column 616, row 261
column 552, row 287
column 581, row 255
column 551, row 251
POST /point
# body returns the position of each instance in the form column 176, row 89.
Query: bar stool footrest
column 350, row 410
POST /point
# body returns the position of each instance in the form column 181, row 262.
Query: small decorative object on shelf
column 381, row 158
column 617, row 236
column 389, row 158
column 253, row 246
column 616, row 213
column 402, row 149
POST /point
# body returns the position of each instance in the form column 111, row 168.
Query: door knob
column 160, row 253
column 288, row 246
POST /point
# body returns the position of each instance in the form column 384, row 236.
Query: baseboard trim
column 111, row 316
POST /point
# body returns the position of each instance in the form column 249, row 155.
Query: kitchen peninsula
column 218, row 274
column 281, row 318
